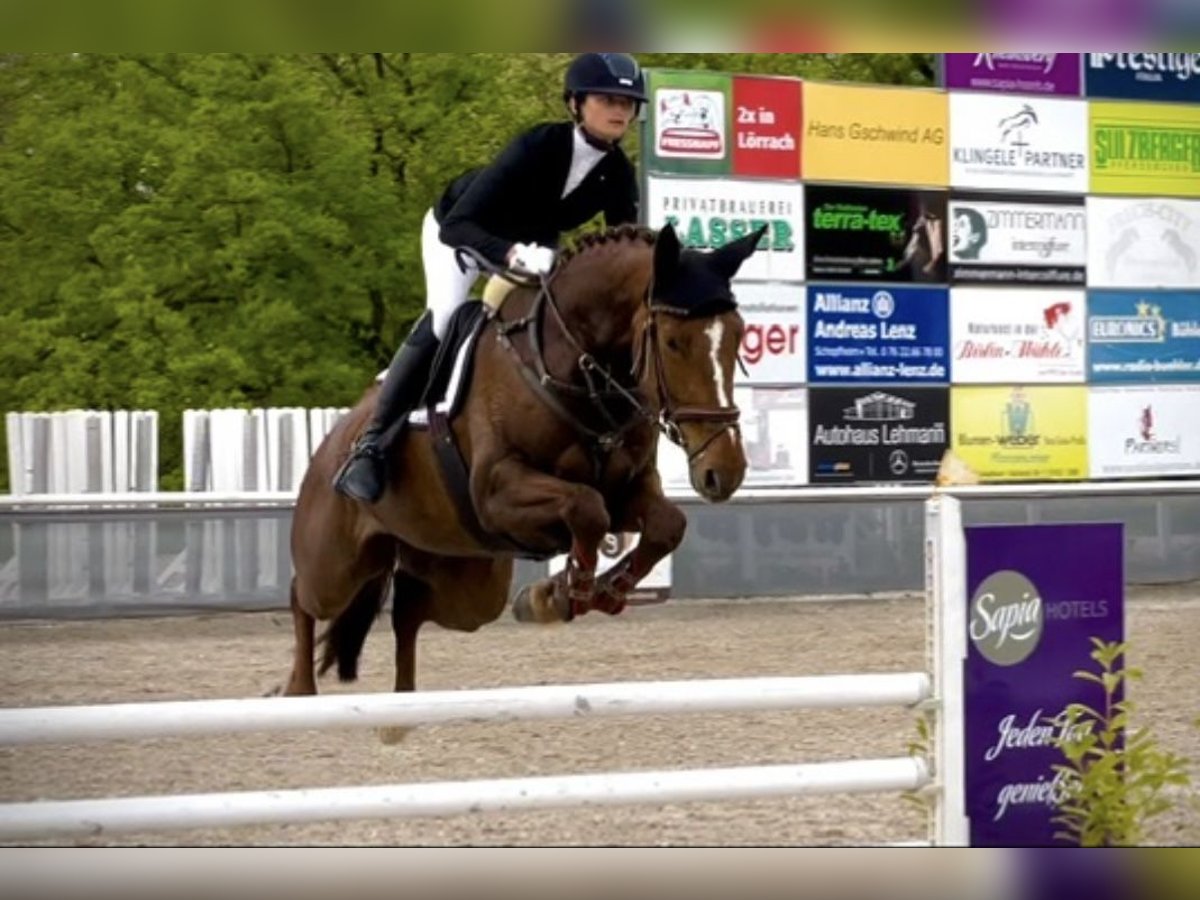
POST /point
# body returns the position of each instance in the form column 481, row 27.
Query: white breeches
column 446, row 285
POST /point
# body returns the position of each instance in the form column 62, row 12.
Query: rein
column 599, row 383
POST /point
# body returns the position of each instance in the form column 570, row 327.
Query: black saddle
column 466, row 323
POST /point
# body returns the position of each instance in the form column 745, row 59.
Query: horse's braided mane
column 589, row 241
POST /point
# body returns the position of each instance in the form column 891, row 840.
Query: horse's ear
column 729, row 258
column 666, row 256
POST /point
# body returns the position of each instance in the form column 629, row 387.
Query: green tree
column 202, row 230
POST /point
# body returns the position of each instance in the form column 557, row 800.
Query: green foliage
column 204, row 230
column 1117, row 775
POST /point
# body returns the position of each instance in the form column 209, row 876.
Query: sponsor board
column 1036, row 596
column 1137, row 432
column 1021, row 433
column 773, row 344
column 1143, row 243
column 687, row 122
column 870, row 434
column 1143, row 336
column 875, row 234
column 1000, row 335
column 878, row 334
column 774, row 426
column 1143, row 148
column 1143, row 76
column 1017, row 240
column 1013, row 73
column 879, row 135
column 654, row 588
column 766, row 127
column 1018, row 143
column 709, row 213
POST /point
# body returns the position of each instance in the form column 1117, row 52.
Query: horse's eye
column 673, row 344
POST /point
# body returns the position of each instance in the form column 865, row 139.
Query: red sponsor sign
column 766, row 127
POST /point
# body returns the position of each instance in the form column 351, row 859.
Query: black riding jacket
column 518, row 198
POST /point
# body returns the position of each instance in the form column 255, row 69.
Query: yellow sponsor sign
column 1145, row 148
column 879, row 135
column 1020, row 433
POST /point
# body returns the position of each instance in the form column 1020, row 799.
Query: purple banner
column 1024, row 73
column 1037, row 595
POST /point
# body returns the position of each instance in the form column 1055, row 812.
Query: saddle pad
column 451, row 371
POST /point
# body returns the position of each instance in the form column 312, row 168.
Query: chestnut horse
column 573, row 379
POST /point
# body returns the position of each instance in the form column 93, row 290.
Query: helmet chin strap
column 595, row 141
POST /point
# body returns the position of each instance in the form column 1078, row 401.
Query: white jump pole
column 82, row 818
column 946, row 643
column 125, row 721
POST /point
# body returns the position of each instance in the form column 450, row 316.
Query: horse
column 571, row 381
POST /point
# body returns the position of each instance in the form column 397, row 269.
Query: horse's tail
column 343, row 640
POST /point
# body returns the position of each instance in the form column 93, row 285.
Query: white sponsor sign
column 1017, row 142
column 1026, row 336
column 1009, row 241
column 1145, row 430
column 774, row 343
column 709, row 213
column 774, row 434
column 1143, row 243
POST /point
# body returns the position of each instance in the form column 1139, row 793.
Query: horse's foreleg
column 661, row 525
column 527, row 504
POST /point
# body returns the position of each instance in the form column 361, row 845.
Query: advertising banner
column 1142, row 148
column 1143, row 243
column 1143, row 76
column 687, row 122
column 878, row 135
column 1018, row 143
column 766, row 127
column 1017, row 239
column 1141, row 432
column 654, row 588
column 1142, row 337
column 773, row 345
column 1036, row 595
column 1019, row 433
column 774, row 434
column 875, row 234
column 709, row 213
column 868, row 434
column 875, row 334
column 1013, row 73
column 1001, row 336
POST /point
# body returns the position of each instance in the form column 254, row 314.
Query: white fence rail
column 91, row 818
column 189, row 718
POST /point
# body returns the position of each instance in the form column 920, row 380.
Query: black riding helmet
column 605, row 73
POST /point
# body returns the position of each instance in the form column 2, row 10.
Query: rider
column 548, row 180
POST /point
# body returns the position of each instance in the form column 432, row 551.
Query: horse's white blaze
column 715, row 332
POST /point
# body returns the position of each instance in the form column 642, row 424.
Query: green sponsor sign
column 688, row 124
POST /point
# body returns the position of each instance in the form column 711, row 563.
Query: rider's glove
column 531, row 258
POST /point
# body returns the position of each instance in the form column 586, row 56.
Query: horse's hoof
column 391, row 735
column 536, row 603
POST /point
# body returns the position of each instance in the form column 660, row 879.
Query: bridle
column 720, row 419
column 600, row 385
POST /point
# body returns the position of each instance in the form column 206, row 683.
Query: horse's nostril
column 712, row 481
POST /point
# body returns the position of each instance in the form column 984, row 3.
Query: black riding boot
column 363, row 476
